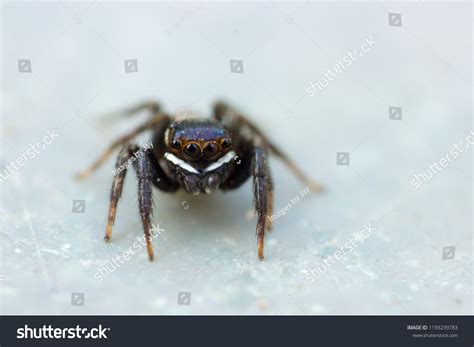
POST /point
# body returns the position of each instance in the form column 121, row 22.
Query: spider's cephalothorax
column 199, row 156
column 200, row 153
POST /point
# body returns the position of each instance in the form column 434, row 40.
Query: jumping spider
column 198, row 155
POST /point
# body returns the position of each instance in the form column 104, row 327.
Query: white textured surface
column 208, row 245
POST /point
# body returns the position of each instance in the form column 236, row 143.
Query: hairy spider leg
column 157, row 121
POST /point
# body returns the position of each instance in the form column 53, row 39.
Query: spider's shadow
column 213, row 213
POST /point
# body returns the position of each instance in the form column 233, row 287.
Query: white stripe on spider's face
column 223, row 160
column 182, row 164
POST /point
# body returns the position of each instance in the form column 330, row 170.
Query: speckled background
column 207, row 246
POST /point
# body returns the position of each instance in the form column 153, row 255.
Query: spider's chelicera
column 199, row 156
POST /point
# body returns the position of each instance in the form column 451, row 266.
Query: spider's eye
column 176, row 144
column 192, row 151
column 225, row 143
column 210, row 150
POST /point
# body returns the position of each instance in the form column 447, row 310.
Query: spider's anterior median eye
column 210, row 150
column 192, row 150
column 176, row 144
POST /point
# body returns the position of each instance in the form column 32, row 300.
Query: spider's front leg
column 144, row 169
column 125, row 154
column 148, row 173
column 262, row 193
